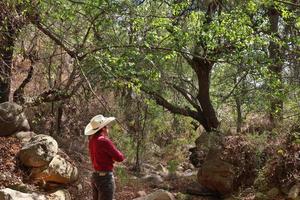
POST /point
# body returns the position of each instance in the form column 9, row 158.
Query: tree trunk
column 239, row 114
column 203, row 68
column 7, row 41
column 276, row 103
column 59, row 118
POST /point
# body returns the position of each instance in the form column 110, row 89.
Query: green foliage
column 123, row 142
column 122, row 175
column 172, row 165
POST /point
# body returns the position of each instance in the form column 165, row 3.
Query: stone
column 2, row 177
column 12, row 119
column 152, row 179
column 217, row 176
column 24, row 136
column 141, row 193
column 21, row 187
column 79, row 187
column 5, row 176
column 9, row 194
column 60, row 195
column 39, row 151
column 188, row 173
column 294, row 191
column 182, row 196
column 60, row 170
column 157, row 195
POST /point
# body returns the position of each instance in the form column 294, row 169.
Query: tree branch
column 175, row 109
column 288, row 3
column 53, row 37
column 18, row 95
column 234, row 87
column 188, row 96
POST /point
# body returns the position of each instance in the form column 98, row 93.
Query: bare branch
column 175, row 109
column 18, row 95
column 235, row 86
column 188, row 96
column 53, row 37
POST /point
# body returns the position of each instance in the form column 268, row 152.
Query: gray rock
column 79, row 187
column 9, row 194
column 60, row 195
column 157, row 195
column 60, row 170
column 152, row 179
column 24, row 136
column 21, row 187
column 141, row 193
column 217, row 176
column 12, row 119
column 39, row 151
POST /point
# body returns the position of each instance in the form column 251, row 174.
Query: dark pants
column 103, row 186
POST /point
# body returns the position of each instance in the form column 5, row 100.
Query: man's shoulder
column 103, row 139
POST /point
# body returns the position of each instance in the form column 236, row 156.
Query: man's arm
column 113, row 151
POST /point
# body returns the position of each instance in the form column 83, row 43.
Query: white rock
column 79, row 187
column 153, row 179
column 59, row 170
column 39, row 151
column 9, row 194
column 60, row 195
column 24, row 136
column 141, row 193
column 158, row 195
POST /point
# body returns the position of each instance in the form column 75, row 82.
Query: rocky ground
column 128, row 186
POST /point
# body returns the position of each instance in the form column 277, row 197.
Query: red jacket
column 103, row 153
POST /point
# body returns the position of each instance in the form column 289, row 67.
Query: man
column 103, row 154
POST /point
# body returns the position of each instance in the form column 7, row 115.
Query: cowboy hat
column 96, row 123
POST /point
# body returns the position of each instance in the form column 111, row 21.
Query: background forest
column 162, row 68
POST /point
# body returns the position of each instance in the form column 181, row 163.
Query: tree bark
column 60, row 112
column 203, row 68
column 7, row 42
column 276, row 103
column 239, row 119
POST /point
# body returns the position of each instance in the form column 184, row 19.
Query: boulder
column 152, row 179
column 157, row 195
column 9, row 194
column 39, row 151
column 217, row 176
column 208, row 145
column 12, row 119
column 141, row 193
column 59, row 170
column 24, row 136
column 60, row 195
column 21, row 187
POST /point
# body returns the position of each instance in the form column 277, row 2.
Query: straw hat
column 96, row 123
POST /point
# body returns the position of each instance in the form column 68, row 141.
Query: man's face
column 105, row 130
